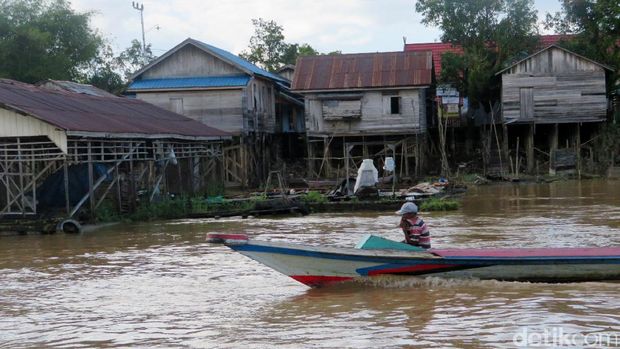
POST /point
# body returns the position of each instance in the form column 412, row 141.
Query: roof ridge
column 236, row 60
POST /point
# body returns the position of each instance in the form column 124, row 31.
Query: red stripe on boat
column 530, row 252
column 316, row 280
column 411, row 269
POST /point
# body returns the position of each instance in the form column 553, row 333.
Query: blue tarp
column 51, row 193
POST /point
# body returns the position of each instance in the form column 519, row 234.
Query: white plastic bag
column 389, row 165
column 367, row 175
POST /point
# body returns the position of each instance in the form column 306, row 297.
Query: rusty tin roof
column 104, row 116
column 363, row 71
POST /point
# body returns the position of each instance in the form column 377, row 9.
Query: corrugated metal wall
column 13, row 124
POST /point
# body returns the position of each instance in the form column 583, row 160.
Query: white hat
column 408, row 207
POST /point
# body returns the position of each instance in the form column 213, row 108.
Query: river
column 161, row 285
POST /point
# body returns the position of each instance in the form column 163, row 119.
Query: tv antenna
column 140, row 7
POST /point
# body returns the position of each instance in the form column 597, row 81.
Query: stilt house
column 552, row 97
column 360, row 106
column 222, row 90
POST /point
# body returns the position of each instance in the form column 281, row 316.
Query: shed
column 45, row 130
column 554, row 85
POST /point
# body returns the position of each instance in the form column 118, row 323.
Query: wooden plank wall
column 190, row 61
column 565, row 88
column 217, row 108
column 322, row 113
column 223, row 109
column 261, row 101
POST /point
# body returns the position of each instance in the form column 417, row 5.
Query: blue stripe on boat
column 400, row 261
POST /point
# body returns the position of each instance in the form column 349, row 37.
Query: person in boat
column 416, row 231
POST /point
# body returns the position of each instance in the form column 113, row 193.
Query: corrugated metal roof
column 363, row 70
column 74, row 87
column 194, row 82
column 110, row 115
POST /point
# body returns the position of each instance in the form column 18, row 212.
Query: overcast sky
column 327, row 25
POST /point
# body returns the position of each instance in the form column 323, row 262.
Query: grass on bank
column 314, row 197
column 435, row 204
column 173, row 208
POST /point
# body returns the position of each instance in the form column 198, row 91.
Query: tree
column 268, row 49
column 293, row 51
column 44, row 40
column 267, row 46
column 103, row 71
column 110, row 72
column 133, row 59
column 595, row 30
column 493, row 33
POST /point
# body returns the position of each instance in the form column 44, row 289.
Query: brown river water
column 161, row 285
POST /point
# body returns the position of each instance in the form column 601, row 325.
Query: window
column 394, row 105
column 176, row 105
column 338, row 109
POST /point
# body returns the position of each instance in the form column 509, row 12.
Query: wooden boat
column 317, row 266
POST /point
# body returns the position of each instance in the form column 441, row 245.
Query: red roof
column 439, row 48
column 363, row 70
column 85, row 113
column 548, row 40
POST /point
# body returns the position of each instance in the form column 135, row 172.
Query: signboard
column 446, row 91
column 450, row 100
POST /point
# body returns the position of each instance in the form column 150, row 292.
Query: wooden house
column 553, row 93
column 222, row 90
column 369, row 105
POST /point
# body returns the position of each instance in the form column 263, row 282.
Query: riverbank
column 258, row 205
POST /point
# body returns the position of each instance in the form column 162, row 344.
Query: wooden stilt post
column 417, row 159
column 553, row 147
column 529, row 148
column 91, row 191
column 505, row 144
column 311, row 156
column 181, row 185
column 243, row 161
column 327, row 157
column 65, row 168
column 578, row 149
column 119, row 198
column 345, row 150
column 364, row 148
column 21, row 177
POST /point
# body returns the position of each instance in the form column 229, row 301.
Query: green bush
column 165, row 209
column 106, row 212
column 435, row 204
column 314, row 197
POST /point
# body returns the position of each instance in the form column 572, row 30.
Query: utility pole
column 140, row 7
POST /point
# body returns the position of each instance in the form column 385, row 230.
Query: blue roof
column 197, row 82
column 240, row 61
